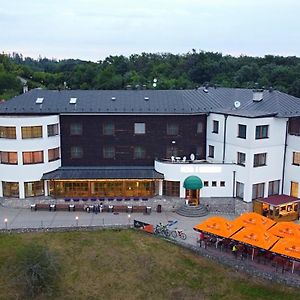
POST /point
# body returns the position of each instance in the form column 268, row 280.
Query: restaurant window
column 258, row 190
column 242, row 131
column 211, row 151
column 53, row 154
column 76, row 129
column 34, row 157
column 52, row 129
column 34, row 188
column 262, row 132
column 199, row 127
column 241, row 158
column 30, row 132
column 171, row 188
column 296, row 158
column 172, row 129
column 7, row 132
column 76, row 152
column 10, row 158
column 259, row 160
column 139, row 152
column 139, row 128
column 109, row 152
column 215, row 126
column 108, row 129
column 273, row 187
column 239, row 190
column 10, row 189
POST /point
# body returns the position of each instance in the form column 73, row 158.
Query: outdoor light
column 76, row 218
column 128, row 219
column 5, row 221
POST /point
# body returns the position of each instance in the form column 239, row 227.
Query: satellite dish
column 192, row 157
column 237, row 104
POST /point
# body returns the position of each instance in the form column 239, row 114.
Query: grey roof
column 219, row 100
column 113, row 172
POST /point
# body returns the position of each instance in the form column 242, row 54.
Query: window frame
column 240, row 135
column 141, row 153
column 76, row 129
column 240, row 190
column 272, row 186
column 239, row 161
column 211, row 151
column 215, row 127
column 259, row 132
column 32, row 132
column 34, row 156
column 259, row 160
column 56, row 155
column 107, row 150
column 172, row 129
column 137, row 130
column 296, row 160
column 10, row 159
column 8, row 132
column 258, row 190
column 72, row 152
column 52, row 130
column 108, row 128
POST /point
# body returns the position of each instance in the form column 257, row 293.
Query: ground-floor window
column 171, row 188
column 10, row 189
column 273, row 187
column 34, row 188
column 239, row 190
column 258, row 190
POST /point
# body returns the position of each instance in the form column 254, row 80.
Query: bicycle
column 178, row 233
column 162, row 230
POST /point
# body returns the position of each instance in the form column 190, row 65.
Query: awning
column 218, row 226
column 278, row 199
column 193, row 183
column 288, row 247
column 253, row 219
column 254, row 236
column 130, row 172
column 286, row 230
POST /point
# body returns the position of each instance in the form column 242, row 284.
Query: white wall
column 26, row 173
column 292, row 172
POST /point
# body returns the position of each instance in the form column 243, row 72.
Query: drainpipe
column 284, row 155
column 224, row 143
column 233, row 184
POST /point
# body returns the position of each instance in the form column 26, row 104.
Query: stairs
column 192, row 211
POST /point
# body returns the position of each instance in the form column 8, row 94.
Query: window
column 33, row 189
column 52, row 129
column 139, row 152
column 259, row 159
column 205, row 183
column 53, row 154
column 199, row 152
column 171, row 151
column 7, row 132
column 172, row 129
column 239, row 190
column 262, row 132
column 294, row 189
column 296, row 158
column 76, row 152
column 274, row 187
column 76, row 129
column 242, row 129
column 258, row 190
column 222, row 183
column 214, row 183
column 199, row 127
column 109, row 152
column 241, row 158
column 10, row 158
column 211, row 151
column 171, row 188
column 108, row 129
column 30, row 132
column 10, row 189
column 215, row 126
column 34, row 157
column 139, row 128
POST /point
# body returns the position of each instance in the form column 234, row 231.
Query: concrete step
column 192, row 211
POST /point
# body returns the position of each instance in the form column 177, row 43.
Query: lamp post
column 5, row 222
column 76, row 218
column 129, row 219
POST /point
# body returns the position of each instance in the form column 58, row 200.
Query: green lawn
column 127, row 264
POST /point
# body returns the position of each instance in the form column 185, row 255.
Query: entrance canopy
column 255, row 236
column 253, row 219
column 193, row 183
column 111, row 172
column 286, row 230
column 288, row 247
column 218, row 226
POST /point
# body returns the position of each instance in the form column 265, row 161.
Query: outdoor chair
column 93, row 199
column 145, row 199
column 127, row 199
column 67, row 199
column 76, row 199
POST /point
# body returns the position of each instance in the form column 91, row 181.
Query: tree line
column 172, row 71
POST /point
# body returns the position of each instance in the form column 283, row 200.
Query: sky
column 95, row 29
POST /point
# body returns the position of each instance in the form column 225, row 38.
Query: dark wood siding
column 155, row 141
column 294, row 126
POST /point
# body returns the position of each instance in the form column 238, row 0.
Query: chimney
column 258, row 95
column 25, row 88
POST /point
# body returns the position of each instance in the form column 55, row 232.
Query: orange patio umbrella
column 254, row 219
column 286, row 230
column 218, row 226
column 288, row 247
column 256, row 237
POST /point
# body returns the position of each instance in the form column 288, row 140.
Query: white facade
column 21, row 173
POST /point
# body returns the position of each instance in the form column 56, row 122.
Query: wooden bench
column 139, row 209
column 42, row 206
column 120, row 208
column 62, row 207
column 79, row 207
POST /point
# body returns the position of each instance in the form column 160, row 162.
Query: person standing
column 234, row 250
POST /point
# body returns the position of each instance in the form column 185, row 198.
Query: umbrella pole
column 293, row 266
column 252, row 253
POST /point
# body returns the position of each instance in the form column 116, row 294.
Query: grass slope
column 127, row 264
